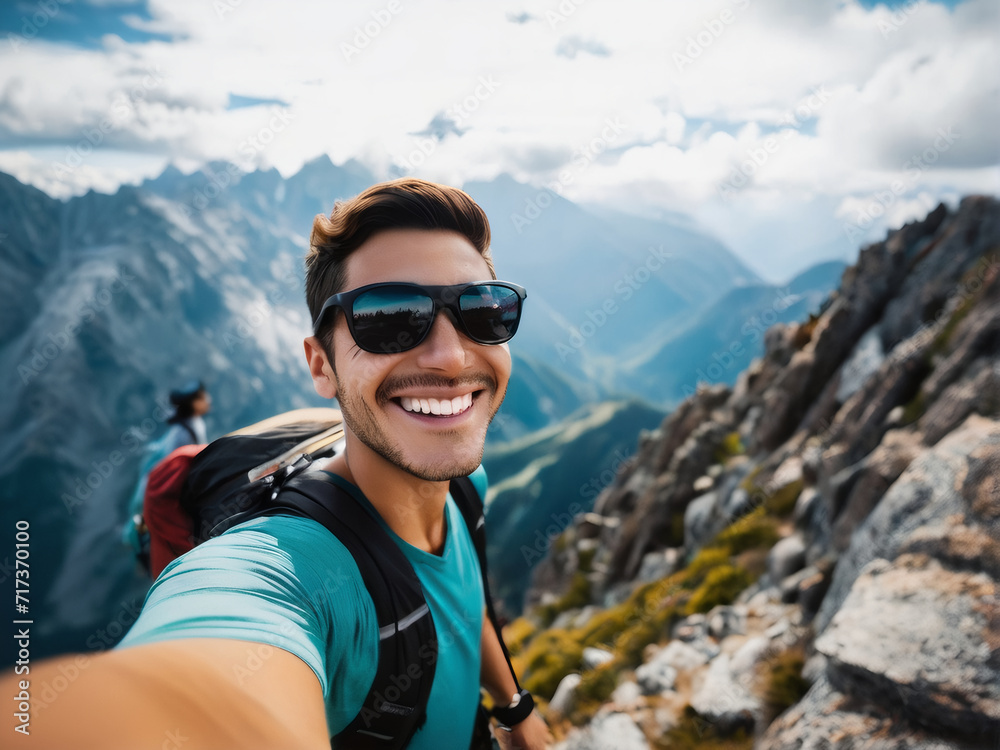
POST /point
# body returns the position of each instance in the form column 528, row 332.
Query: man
column 265, row 636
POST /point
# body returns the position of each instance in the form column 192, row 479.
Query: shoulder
column 275, row 545
column 279, row 580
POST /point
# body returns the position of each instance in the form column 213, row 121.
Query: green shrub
column 578, row 595
column 517, row 633
column 753, row 531
column 730, row 446
column 694, row 733
column 552, row 655
column 597, row 685
column 706, row 560
column 782, row 502
column 721, row 586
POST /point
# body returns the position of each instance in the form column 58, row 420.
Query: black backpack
column 264, row 470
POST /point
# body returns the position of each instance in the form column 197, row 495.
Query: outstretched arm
column 192, row 694
column 495, row 677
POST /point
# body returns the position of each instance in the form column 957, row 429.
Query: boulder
column 595, row 657
column 681, row 657
column 875, row 475
column 607, row 730
column 656, row 676
column 658, row 565
column 916, row 638
column 724, row 697
column 726, row 620
column 627, row 696
column 957, row 477
column 565, row 695
column 826, row 718
column 786, row 557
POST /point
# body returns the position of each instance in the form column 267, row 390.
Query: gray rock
column 807, row 588
column 606, row 731
column 708, row 514
column 700, row 520
column 595, row 657
column 828, row 720
column 786, row 557
column 627, row 696
column 724, row 697
column 565, row 695
column 656, row 676
column 747, row 656
column 863, row 362
column 681, row 656
column 915, row 636
column 727, row 620
column 659, row 564
column 952, row 478
column 692, row 628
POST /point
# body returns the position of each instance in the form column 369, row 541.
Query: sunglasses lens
column 391, row 320
column 490, row 313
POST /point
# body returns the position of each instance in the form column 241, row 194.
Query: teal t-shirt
column 288, row 583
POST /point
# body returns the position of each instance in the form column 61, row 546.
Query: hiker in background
column 187, row 424
column 187, row 427
column 266, row 636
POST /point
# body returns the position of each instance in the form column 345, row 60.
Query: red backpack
column 171, row 528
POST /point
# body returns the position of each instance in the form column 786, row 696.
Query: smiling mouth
column 443, row 407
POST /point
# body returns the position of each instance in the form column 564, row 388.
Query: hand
column 530, row 734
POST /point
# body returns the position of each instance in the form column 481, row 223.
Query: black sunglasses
column 393, row 317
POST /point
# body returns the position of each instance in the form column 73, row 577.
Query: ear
column 320, row 368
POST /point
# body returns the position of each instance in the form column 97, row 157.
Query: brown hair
column 406, row 203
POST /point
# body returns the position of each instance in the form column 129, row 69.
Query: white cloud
column 845, row 95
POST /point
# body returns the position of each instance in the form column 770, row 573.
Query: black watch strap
column 511, row 715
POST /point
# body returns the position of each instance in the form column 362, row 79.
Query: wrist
column 519, row 709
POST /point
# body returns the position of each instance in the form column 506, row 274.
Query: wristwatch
column 520, row 707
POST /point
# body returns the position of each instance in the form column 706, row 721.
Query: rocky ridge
column 810, row 558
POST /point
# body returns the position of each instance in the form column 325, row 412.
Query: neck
column 413, row 508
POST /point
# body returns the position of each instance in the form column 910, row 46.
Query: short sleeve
column 303, row 594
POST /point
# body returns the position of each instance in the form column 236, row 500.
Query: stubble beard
column 362, row 421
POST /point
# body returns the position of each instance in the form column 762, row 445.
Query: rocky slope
column 811, row 558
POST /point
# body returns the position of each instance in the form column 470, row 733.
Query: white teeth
column 438, row 407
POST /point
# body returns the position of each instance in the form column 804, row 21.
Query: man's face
column 381, row 395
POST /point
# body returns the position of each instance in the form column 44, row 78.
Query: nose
column 445, row 348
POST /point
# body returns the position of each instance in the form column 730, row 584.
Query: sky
column 795, row 132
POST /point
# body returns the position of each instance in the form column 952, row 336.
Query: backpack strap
column 396, row 704
column 464, row 493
